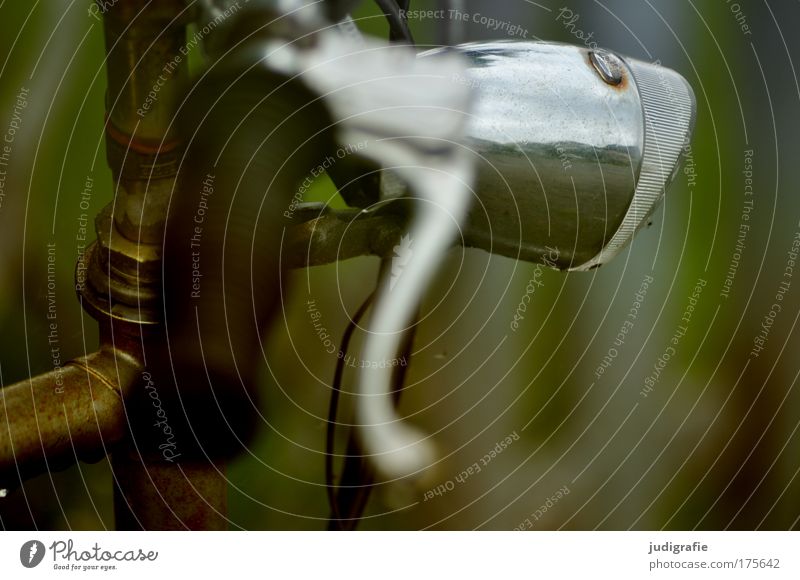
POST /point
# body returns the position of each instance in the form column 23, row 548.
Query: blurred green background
column 714, row 445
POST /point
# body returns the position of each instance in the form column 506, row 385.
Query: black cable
column 450, row 29
column 398, row 25
column 357, row 475
column 443, row 27
column 333, row 406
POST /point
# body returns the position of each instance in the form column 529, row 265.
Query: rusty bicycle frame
column 79, row 412
column 84, row 410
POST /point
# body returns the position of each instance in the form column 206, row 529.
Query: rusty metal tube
column 49, row 422
column 324, row 236
column 148, row 70
column 153, row 494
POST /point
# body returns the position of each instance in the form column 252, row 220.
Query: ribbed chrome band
column 669, row 109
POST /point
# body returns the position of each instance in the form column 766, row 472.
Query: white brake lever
column 413, row 114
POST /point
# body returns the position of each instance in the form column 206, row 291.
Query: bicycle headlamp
column 523, row 147
column 574, row 148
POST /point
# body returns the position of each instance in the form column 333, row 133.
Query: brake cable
column 349, row 498
column 398, row 23
column 333, row 407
